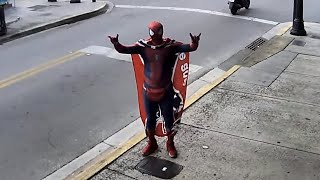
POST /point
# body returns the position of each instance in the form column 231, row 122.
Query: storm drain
column 160, row 168
column 256, row 44
column 298, row 43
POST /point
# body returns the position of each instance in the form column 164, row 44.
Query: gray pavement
column 260, row 123
column 274, row 10
column 43, row 118
column 28, row 17
column 56, row 116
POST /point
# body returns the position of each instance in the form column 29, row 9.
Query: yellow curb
column 205, row 89
column 105, row 159
column 90, row 169
column 283, row 30
column 31, row 72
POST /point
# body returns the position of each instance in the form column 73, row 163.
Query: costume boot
column 170, row 145
column 152, row 145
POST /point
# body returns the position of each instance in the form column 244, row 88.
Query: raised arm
column 134, row 49
column 189, row 47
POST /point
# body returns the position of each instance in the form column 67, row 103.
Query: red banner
column 180, row 83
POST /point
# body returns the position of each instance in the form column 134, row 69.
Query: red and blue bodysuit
column 158, row 62
column 159, row 55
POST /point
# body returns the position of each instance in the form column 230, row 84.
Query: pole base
column 75, row 1
column 298, row 32
column 298, row 28
column 52, row 0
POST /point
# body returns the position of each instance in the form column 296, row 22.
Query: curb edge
column 69, row 20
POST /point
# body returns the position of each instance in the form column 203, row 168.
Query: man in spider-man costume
column 159, row 56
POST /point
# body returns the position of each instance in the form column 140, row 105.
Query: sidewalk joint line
column 108, row 144
column 300, row 53
column 271, row 97
column 289, row 43
column 39, row 69
column 250, row 139
column 302, row 74
column 283, row 70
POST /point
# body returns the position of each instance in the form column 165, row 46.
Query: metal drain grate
column 160, row 168
column 257, row 43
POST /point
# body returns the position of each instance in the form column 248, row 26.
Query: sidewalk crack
column 49, row 139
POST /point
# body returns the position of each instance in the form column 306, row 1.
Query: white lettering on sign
column 182, row 56
column 185, row 71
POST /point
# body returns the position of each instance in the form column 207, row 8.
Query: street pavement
column 56, row 112
column 260, row 123
column 29, row 17
column 280, row 11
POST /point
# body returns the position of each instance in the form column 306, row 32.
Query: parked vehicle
column 235, row 5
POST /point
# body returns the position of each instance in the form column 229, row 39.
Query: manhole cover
column 159, row 167
column 255, row 44
column 298, row 43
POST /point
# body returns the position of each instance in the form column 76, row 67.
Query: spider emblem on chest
column 156, row 57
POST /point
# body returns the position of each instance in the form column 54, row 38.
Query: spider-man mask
column 156, row 32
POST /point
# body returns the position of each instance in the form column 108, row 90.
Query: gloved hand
column 114, row 40
column 195, row 39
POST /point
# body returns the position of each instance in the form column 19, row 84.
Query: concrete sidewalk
column 28, row 17
column 260, row 123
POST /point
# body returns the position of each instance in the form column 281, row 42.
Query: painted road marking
column 31, row 72
column 99, row 50
column 77, row 163
column 193, row 68
column 101, row 161
column 199, row 11
column 113, row 142
column 278, row 30
column 194, row 90
column 106, row 51
column 112, row 53
column 89, row 160
column 108, row 145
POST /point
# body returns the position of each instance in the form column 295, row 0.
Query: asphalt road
column 50, row 118
column 280, row 11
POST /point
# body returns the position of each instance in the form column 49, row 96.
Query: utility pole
column 3, row 26
column 298, row 23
